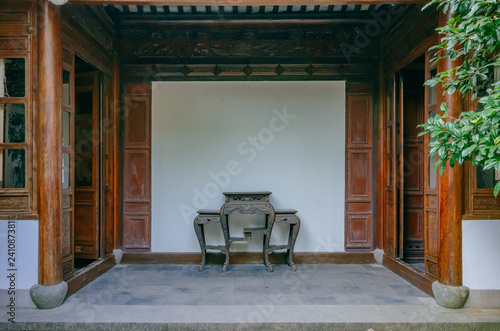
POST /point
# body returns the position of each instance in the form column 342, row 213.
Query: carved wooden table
column 247, row 203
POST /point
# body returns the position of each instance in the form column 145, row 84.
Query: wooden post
column 450, row 197
column 116, row 152
column 48, row 143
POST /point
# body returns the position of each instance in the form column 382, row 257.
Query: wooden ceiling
column 149, row 13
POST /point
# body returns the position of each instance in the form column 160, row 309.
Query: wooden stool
column 287, row 216
column 205, row 217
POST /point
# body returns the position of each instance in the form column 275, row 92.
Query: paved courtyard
column 315, row 297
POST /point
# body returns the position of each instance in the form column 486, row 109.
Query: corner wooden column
column 450, row 196
column 48, row 143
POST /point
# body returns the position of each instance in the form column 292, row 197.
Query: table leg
column 225, row 232
column 267, row 239
column 200, row 234
column 292, row 237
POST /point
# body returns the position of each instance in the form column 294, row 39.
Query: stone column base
column 378, row 254
column 453, row 297
column 47, row 297
column 118, row 254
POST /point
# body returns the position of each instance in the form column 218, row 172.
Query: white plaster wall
column 213, row 137
column 26, row 254
column 480, row 254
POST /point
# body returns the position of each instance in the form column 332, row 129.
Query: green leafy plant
column 473, row 37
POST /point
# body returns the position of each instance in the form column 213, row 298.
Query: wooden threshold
column 248, row 258
column 413, row 275
column 89, row 273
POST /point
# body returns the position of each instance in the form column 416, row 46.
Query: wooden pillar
column 48, row 143
column 450, row 197
column 116, row 152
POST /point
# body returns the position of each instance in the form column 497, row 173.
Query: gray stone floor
column 315, row 297
column 319, row 284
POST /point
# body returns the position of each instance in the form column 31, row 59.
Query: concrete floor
column 315, row 297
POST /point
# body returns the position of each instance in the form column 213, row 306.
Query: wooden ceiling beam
column 246, row 2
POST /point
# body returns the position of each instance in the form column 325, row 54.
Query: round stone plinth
column 453, row 297
column 47, row 297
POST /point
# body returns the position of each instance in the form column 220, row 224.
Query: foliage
column 473, row 37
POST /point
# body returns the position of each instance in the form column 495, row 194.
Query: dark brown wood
column 381, row 159
column 406, row 41
column 390, row 169
column 450, row 196
column 87, row 146
column 361, row 72
column 88, row 274
column 106, row 201
column 67, row 232
column 198, row 44
column 137, row 168
column 116, row 155
column 431, row 216
column 88, row 37
column 359, row 171
column 16, row 19
column 243, row 2
column 49, row 143
column 413, row 275
column 248, row 258
column 412, row 227
column 411, row 36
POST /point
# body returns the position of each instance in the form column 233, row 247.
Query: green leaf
column 496, row 189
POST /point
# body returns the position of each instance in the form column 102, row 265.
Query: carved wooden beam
column 246, row 2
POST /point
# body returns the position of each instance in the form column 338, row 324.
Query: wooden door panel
column 359, row 122
column 137, row 174
column 68, row 156
column 413, row 168
column 67, row 242
column 137, row 125
column 87, row 182
column 137, row 232
column 358, row 187
column 85, row 232
column 359, row 230
column 431, row 209
column 137, row 168
column 359, row 174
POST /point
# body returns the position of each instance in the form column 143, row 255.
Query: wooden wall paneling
column 359, row 169
column 137, row 168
